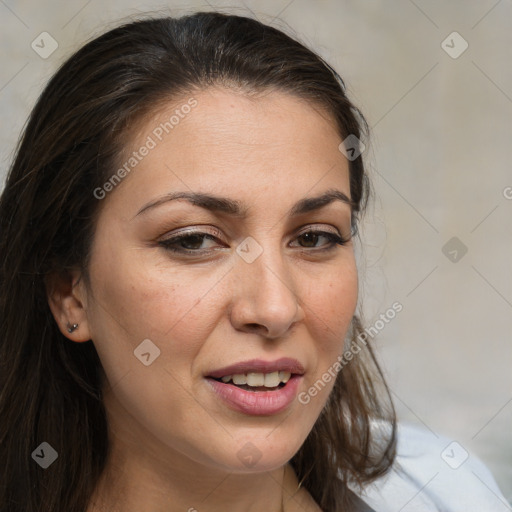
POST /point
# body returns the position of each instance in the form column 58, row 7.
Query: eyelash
column 168, row 244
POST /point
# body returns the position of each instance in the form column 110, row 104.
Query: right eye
column 187, row 243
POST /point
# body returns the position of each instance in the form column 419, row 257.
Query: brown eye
column 189, row 243
column 312, row 237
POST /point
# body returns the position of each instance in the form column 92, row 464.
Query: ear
column 67, row 298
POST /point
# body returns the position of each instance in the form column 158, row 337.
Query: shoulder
column 434, row 473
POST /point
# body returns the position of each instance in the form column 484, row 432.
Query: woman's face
column 166, row 315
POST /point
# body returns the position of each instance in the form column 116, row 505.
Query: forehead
column 230, row 141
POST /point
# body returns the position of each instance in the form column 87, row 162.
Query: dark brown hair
column 50, row 387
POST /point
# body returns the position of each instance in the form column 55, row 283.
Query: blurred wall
column 434, row 80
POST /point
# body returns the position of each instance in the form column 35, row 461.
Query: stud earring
column 73, row 327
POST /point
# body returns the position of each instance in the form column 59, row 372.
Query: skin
column 174, row 443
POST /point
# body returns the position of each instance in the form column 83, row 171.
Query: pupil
column 186, row 241
column 308, row 236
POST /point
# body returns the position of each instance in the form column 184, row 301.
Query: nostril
column 255, row 327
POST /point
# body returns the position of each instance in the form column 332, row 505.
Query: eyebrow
column 237, row 208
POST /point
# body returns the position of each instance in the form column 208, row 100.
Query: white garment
column 434, row 474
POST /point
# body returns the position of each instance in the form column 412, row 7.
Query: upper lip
column 285, row 364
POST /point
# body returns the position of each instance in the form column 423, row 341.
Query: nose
column 265, row 297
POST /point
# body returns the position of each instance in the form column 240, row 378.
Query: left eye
column 313, row 236
column 191, row 243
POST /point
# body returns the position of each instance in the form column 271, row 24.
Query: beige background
column 440, row 163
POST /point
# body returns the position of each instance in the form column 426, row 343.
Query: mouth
column 257, row 382
column 257, row 387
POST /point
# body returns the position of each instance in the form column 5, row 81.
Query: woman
column 145, row 371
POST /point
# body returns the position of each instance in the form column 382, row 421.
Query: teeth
column 284, row 376
column 255, row 379
column 239, row 379
column 272, row 380
column 269, row 380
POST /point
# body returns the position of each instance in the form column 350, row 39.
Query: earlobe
column 72, row 328
column 65, row 294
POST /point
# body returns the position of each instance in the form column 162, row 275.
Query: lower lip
column 257, row 403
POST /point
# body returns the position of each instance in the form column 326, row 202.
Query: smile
column 257, row 387
column 258, row 381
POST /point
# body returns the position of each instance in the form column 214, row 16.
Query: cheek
column 136, row 301
column 174, row 309
column 330, row 305
column 332, row 300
